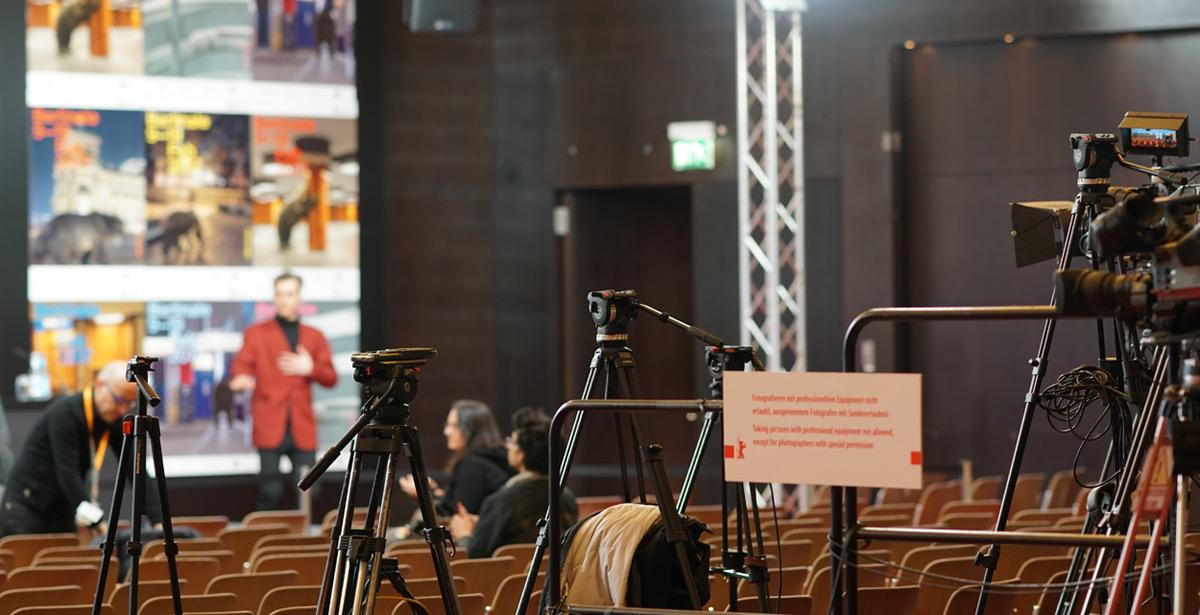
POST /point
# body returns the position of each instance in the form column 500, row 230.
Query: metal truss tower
column 771, row 181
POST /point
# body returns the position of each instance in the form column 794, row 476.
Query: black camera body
column 1160, row 240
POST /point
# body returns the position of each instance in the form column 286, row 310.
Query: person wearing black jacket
column 478, row 464
column 47, row 490
column 510, row 516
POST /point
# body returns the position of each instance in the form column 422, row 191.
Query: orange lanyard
column 98, row 449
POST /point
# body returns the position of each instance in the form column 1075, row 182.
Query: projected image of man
column 280, row 359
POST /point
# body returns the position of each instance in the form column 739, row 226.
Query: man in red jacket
column 280, row 359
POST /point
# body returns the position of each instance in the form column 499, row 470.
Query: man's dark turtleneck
column 291, row 329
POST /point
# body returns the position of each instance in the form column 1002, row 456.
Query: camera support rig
column 138, row 431
column 1094, row 155
column 612, row 312
column 356, row 565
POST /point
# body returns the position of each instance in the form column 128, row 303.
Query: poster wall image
column 198, row 38
column 309, row 41
column 305, row 193
column 87, row 192
column 96, row 36
column 197, row 178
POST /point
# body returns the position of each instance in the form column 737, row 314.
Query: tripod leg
column 611, row 390
column 378, row 527
column 621, row 367
column 637, row 467
column 850, row 548
column 330, row 592
column 1181, row 523
column 836, row 539
column 726, row 555
column 139, row 504
column 169, row 546
column 1038, row 363
column 362, row 552
column 114, row 515
column 689, row 481
column 763, row 578
column 339, row 581
column 651, row 455
column 568, row 457
column 436, row 536
column 1155, row 407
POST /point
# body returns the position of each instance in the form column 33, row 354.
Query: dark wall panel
column 628, row 68
column 438, row 211
column 14, row 233
column 526, row 275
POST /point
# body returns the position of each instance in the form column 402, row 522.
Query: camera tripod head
column 721, row 359
column 390, row 380
column 391, row 373
column 138, row 371
column 612, row 311
column 1094, row 154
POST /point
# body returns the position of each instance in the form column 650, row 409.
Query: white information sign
column 854, row 430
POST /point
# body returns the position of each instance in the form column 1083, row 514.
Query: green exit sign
column 693, row 155
column 693, row 145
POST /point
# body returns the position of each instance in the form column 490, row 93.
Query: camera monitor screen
column 1154, row 134
column 182, row 155
column 1153, row 138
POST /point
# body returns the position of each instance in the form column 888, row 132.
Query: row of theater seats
column 274, row 561
column 271, row 564
column 908, row 578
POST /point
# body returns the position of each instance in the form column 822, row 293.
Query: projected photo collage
column 123, row 187
column 183, row 153
column 274, row 40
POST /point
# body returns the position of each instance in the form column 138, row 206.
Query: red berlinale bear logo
column 738, row 452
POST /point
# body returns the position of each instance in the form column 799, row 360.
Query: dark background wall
column 471, row 140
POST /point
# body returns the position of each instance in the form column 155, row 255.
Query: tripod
column 612, row 311
column 356, row 566
column 1094, row 157
column 741, row 563
column 135, row 429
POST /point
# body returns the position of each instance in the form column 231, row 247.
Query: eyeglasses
column 120, row 401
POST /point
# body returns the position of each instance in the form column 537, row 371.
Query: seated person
column 478, row 466
column 510, row 516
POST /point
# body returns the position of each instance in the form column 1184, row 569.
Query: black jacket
column 510, row 515
column 477, row 475
column 48, row 480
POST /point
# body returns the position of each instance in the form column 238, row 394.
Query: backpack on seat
column 625, row 559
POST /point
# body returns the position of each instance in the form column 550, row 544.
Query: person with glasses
column 48, row 489
column 510, row 516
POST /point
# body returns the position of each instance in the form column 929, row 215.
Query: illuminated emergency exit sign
column 693, row 145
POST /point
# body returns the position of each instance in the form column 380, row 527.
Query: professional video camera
column 1150, row 231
